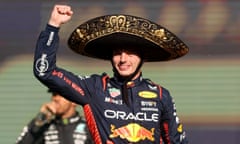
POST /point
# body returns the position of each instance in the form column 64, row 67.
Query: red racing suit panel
column 150, row 116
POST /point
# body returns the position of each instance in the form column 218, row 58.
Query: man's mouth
column 123, row 67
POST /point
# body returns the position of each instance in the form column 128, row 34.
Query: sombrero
column 98, row 37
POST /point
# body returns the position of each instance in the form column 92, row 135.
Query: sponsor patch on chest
column 147, row 94
column 114, row 92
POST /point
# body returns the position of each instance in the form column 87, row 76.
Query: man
column 125, row 108
column 57, row 122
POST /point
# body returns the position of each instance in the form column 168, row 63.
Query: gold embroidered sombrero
column 99, row 36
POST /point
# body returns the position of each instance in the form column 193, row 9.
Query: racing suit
column 72, row 130
column 150, row 116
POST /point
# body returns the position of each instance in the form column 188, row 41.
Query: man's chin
column 125, row 75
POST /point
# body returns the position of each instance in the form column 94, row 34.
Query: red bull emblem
column 132, row 132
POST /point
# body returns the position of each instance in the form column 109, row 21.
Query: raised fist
column 60, row 15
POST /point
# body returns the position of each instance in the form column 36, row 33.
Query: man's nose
column 123, row 57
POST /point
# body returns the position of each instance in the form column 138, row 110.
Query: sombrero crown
column 99, row 36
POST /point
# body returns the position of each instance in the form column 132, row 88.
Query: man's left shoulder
column 150, row 82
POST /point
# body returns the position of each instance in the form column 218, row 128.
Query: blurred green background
column 205, row 83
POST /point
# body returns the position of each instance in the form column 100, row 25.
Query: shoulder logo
column 147, row 94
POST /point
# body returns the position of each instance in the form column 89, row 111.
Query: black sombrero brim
column 98, row 37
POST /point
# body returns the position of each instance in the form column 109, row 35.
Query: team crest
column 114, row 92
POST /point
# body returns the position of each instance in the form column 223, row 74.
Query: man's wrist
column 42, row 119
column 39, row 123
column 52, row 28
column 53, row 23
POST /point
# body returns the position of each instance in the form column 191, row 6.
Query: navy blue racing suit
column 150, row 116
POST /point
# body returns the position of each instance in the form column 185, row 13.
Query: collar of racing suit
column 124, row 85
column 115, row 81
column 65, row 121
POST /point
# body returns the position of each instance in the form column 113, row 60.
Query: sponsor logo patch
column 133, row 132
column 114, row 92
column 147, row 94
column 42, row 65
column 180, row 128
column 80, row 128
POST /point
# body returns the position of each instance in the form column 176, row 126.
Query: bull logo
column 132, row 132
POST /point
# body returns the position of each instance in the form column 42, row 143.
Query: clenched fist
column 60, row 15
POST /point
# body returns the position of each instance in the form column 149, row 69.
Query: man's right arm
column 48, row 41
column 45, row 70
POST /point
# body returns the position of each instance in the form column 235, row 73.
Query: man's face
column 62, row 105
column 125, row 61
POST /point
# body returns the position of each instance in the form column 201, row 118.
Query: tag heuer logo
column 114, row 92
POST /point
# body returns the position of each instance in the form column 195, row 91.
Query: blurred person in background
column 125, row 108
column 58, row 122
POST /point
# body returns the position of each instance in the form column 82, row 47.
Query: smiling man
column 126, row 62
column 124, row 108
